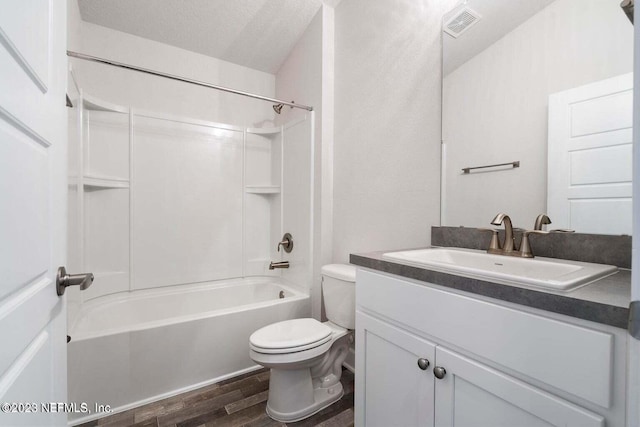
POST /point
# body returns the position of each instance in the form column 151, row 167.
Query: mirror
column 548, row 84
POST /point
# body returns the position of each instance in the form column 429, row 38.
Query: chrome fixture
column 423, row 363
column 281, row 264
column 494, row 246
column 525, row 246
column 439, row 372
column 627, row 7
column 63, row 280
column 183, row 79
column 286, row 243
column 509, row 246
column 509, row 240
column 541, row 220
column 514, row 165
column 278, row 107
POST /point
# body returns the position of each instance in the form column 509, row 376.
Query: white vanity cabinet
column 499, row 365
column 399, row 391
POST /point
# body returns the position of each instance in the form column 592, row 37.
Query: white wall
column 159, row 94
column 495, row 105
column 387, row 124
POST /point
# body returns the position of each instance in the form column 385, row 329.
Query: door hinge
column 634, row 319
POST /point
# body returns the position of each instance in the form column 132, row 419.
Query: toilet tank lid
column 340, row 271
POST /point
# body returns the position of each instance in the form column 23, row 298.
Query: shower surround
column 178, row 218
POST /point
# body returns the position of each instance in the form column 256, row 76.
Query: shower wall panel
column 187, row 202
column 297, row 194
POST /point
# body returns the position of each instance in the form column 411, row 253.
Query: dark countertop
column 604, row 301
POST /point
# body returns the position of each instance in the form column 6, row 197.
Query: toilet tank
column 339, row 294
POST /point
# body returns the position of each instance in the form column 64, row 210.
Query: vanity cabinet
column 399, row 390
column 473, row 394
column 496, row 365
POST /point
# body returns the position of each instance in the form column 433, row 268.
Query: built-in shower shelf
column 104, row 182
column 262, row 189
column 95, row 104
column 264, row 131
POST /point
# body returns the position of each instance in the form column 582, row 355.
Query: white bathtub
column 130, row 349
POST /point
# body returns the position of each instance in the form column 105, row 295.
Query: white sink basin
column 548, row 273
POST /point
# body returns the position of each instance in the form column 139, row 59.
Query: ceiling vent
column 461, row 22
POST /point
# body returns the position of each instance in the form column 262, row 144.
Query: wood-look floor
column 239, row 401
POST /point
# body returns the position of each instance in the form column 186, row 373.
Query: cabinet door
column 392, row 389
column 472, row 394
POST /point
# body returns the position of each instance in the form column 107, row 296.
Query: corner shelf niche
column 94, row 104
column 265, row 131
column 262, row 189
column 103, row 164
column 263, row 201
column 95, row 182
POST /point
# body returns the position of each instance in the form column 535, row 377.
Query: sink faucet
column 509, row 246
column 541, row 220
column 509, row 240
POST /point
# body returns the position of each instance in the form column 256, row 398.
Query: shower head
column 627, row 6
column 278, row 107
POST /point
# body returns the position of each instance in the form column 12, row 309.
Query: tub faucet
column 509, row 240
column 281, row 264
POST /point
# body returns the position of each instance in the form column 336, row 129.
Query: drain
column 281, row 294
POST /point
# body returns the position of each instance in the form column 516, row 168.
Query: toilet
column 305, row 356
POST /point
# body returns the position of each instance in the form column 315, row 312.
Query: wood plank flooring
column 239, row 401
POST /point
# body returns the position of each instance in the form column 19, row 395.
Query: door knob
column 423, row 363
column 439, row 372
column 84, row 280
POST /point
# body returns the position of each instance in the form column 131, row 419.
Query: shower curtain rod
column 182, row 79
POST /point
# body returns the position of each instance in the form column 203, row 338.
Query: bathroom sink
column 549, row 273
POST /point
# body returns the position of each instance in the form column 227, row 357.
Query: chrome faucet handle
column 494, row 246
column 525, row 246
column 562, row 230
column 286, row 243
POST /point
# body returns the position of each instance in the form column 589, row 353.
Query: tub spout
column 281, row 264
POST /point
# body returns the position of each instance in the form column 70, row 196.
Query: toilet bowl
column 305, row 356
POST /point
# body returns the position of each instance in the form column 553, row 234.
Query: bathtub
column 130, row 349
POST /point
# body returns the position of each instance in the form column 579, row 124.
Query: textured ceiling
column 255, row 33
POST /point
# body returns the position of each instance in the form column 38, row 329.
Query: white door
column 33, row 168
column 471, row 394
column 590, row 157
column 394, row 383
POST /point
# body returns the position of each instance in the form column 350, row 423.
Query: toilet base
column 322, row 398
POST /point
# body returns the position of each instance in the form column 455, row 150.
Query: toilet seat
column 290, row 336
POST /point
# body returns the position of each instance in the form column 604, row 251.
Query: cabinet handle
column 439, row 372
column 423, row 363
